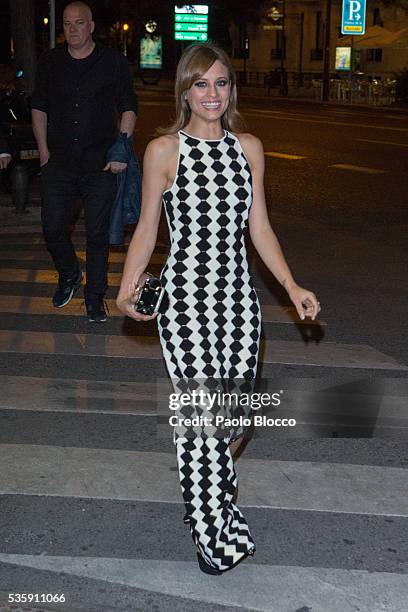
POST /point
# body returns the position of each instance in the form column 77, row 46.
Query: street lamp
column 284, row 76
column 44, row 33
column 125, row 29
column 277, row 13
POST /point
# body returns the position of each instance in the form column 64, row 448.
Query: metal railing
column 359, row 91
column 356, row 91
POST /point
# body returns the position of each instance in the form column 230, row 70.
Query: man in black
column 83, row 90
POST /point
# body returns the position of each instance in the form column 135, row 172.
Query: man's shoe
column 66, row 289
column 95, row 310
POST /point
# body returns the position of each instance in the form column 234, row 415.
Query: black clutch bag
column 149, row 294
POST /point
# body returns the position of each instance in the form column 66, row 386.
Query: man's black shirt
column 83, row 99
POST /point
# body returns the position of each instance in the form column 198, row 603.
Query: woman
column 209, row 176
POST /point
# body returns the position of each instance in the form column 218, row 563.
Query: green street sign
column 191, row 22
column 191, row 36
column 191, row 18
column 191, row 27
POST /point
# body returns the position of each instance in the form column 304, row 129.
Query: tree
column 23, row 34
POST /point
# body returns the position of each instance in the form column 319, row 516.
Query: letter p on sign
column 355, row 8
column 353, row 17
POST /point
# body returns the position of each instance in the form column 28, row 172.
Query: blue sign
column 353, row 17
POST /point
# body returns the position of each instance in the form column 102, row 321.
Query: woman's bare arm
column 263, row 236
column 155, row 180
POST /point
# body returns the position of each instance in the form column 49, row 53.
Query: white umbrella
column 397, row 40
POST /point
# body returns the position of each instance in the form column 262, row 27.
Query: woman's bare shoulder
column 252, row 147
column 163, row 146
column 249, row 141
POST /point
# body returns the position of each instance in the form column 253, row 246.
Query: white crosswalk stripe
column 347, row 591
column 147, row 347
column 43, row 306
column 133, row 475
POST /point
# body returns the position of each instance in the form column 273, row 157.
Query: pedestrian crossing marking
column 52, row 343
column 30, row 305
column 251, row 586
column 81, row 395
column 79, row 238
column 29, row 255
column 328, row 354
column 112, row 474
column 333, row 354
column 358, row 168
column 317, row 412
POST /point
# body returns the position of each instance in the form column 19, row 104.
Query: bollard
column 19, row 187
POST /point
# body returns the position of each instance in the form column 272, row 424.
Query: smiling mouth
column 211, row 105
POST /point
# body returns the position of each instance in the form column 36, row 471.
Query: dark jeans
column 60, row 188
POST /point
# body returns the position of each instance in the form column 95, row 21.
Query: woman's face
column 208, row 97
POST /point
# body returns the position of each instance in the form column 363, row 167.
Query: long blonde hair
column 193, row 64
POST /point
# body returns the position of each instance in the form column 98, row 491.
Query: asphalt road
column 323, row 136
column 89, row 499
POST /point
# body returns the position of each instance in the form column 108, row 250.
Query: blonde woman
column 209, row 176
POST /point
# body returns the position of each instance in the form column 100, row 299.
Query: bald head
column 81, row 6
column 78, row 28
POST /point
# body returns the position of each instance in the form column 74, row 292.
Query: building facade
column 259, row 49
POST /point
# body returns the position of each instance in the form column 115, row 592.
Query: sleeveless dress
column 211, row 326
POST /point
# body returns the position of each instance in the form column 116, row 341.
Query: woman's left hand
column 305, row 302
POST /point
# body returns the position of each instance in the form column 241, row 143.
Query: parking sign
column 353, row 17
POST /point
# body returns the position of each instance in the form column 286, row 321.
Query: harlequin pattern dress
column 211, row 327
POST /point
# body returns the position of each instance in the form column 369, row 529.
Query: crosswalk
column 90, row 501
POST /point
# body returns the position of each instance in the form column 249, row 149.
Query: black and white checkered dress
column 211, row 327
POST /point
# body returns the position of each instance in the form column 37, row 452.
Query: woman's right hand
column 126, row 304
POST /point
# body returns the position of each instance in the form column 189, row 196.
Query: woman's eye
column 200, row 84
column 222, row 83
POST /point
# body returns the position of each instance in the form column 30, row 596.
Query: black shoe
column 95, row 310
column 66, row 289
column 206, row 568
column 186, row 519
column 209, row 569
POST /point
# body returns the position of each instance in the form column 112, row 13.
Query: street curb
column 332, row 104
